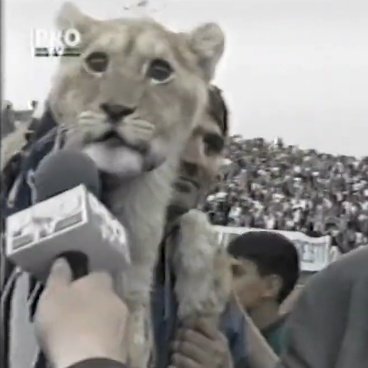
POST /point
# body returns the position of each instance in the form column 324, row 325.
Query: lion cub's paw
column 195, row 221
column 197, row 244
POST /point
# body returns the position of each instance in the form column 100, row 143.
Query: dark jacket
column 164, row 304
column 328, row 327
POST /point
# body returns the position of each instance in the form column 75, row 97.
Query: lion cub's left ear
column 69, row 16
column 208, row 43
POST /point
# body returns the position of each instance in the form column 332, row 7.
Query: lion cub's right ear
column 69, row 16
column 208, row 43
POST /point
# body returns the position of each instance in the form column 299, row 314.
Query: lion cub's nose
column 116, row 112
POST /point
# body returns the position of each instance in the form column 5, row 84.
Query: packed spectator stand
column 271, row 185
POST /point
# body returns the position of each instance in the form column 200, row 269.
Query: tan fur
column 203, row 274
column 163, row 118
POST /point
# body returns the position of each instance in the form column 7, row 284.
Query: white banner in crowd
column 314, row 252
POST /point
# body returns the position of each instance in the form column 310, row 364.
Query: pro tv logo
column 55, row 43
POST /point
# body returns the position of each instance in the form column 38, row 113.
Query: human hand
column 201, row 345
column 82, row 319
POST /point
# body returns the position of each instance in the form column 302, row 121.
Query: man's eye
column 159, row 71
column 214, row 144
column 97, row 62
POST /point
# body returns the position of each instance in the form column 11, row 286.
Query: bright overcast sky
column 292, row 68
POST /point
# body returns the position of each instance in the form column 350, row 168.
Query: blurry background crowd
column 272, row 185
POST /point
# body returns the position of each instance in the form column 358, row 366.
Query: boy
column 265, row 266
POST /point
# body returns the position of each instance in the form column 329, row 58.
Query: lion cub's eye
column 97, row 62
column 159, row 71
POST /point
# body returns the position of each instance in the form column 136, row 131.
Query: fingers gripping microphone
column 66, row 221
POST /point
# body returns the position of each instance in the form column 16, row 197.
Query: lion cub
column 130, row 102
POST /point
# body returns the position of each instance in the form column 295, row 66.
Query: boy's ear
column 273, row 285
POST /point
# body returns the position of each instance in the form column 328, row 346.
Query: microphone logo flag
column 71, row 221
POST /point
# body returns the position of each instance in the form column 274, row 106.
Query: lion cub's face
column 135, row 92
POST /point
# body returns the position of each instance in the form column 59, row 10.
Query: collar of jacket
column 40, row 127
column 45, row 136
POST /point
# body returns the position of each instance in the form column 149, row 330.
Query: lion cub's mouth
column 112, row 139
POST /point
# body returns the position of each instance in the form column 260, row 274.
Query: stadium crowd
column 271, row 185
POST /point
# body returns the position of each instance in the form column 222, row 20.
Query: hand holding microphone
column 77, row 320
column 80, row 320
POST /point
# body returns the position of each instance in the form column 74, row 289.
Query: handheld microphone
column 67, row 221
column 64, row 170
column 59, row 172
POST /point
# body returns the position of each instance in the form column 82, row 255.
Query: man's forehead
column 239, row 261
column 207, row 124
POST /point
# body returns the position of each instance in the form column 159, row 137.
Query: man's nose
column 192, row 157
column 116, row 112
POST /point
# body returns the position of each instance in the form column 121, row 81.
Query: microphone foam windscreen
column 64, row 170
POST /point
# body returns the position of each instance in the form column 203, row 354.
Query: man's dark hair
column 217, row 108
column 272, row 253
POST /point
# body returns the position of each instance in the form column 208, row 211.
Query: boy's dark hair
column 272, row 253
column 217, row 108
